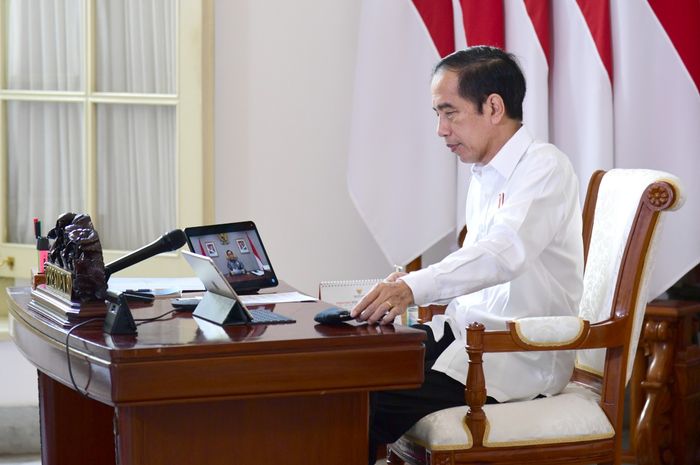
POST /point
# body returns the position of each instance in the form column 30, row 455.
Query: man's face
column 467, row 132
column 230, row 255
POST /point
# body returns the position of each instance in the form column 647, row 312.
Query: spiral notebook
column 345, row 294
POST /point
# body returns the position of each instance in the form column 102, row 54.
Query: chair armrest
column 549, row 331
column 426, row 313
column 521, row 336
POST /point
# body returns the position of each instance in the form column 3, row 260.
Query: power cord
column 70, row 367
column 141, row 321
column 148, row 320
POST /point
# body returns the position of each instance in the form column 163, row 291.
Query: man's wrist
column 421, row 284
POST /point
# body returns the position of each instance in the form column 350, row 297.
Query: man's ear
column 495, row 108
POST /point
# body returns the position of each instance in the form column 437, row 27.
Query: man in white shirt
column 522, row 255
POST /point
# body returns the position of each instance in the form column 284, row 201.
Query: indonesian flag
column 201, row 248
column 581, row 86
column 255, row 254
column 656, row 57
column 612, row 84
column 400, row 175
column 528, row 38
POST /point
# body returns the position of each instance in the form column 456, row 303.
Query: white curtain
column 45, row 165
column 136, row 143
column 135, row 174
column 136, row 46
column 136, row 157
column 45, row 43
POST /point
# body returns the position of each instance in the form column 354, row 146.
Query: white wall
column 284, row 74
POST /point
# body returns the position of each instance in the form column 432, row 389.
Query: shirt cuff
column 422, row 284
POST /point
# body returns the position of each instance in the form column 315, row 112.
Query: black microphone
column 172, row 240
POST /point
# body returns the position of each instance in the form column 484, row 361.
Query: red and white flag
column 528, row 38
column 613, row 84
column 400, row 175
column 581, row 118
column 656, row 56
column 258, row 261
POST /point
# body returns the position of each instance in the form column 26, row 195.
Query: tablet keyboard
column 261, row 316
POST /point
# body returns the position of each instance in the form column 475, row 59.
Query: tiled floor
column 20, row 460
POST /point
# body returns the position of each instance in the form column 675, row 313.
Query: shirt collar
column 510, row 154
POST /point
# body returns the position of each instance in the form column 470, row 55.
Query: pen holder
column 42, row 245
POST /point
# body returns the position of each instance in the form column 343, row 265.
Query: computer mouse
column 333, row 316
column 185, row 304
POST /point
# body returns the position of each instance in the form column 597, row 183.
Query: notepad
column 345, row 294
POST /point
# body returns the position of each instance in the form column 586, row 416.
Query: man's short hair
column 485, row 70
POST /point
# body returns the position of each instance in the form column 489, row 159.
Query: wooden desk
column 185, row 391
column 665, row 386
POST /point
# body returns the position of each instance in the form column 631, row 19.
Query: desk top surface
column 181, row 344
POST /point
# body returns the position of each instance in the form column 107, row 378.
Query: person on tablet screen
column 234, row 265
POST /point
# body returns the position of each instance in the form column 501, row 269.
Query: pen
column 37, row 228
column 144, row 293
column 138, row 296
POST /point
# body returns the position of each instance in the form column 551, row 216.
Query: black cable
column 83, row 323
column 70, row 368
column 148, row 320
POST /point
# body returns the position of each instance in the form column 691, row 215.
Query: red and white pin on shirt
column 501, row 199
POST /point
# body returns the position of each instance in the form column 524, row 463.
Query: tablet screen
column 237, row 251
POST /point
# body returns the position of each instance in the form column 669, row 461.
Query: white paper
column 281, row 297
column 156, row 284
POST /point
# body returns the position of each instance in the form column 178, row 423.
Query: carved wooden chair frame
column 612, row 334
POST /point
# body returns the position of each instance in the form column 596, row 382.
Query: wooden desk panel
column 186, row 391
column 278, row 430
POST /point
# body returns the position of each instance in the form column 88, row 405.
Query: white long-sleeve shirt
column 522, row 256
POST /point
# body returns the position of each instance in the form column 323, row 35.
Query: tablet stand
column 221, row 310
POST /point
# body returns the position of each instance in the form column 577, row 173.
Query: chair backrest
column 626, row 221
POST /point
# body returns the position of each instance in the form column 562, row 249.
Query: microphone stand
column 119, row 319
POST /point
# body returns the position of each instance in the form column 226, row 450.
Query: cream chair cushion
column 546, row 331
column 573, row 415
column 618, row 197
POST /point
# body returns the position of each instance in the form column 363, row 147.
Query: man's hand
column 385, row 301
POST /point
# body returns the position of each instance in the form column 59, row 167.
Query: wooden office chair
column 582, row 424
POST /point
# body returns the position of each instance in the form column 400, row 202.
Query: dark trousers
column 392, row 413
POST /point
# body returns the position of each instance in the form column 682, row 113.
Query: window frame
column 193, row 100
